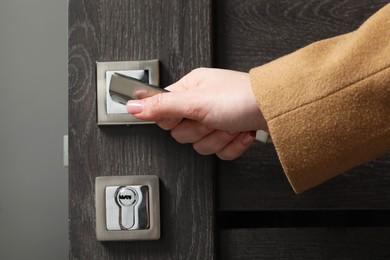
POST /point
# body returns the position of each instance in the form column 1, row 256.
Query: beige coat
column 328, row 105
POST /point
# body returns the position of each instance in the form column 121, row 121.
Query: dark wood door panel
column 178, row 34
column 306, row 243
column 249, row 33
column 256, row 181
column 252, row 32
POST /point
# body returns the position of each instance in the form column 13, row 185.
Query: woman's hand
column 212, row 108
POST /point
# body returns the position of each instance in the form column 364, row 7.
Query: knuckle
column 190, row 80
column 158, row 100
column 196, row 110
column 227, row 155
column 193, row 79
column 177, row 135
column 199, row 149
column 201, row 131
column 195, row 113
column 164, row 124
column 155, row 106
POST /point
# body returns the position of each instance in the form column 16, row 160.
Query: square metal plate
column 104, row 118
column 152, row 233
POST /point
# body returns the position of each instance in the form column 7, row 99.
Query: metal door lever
column 123, row 88
column 120, row 81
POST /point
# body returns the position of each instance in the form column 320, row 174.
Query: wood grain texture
column 250, row 33
column 178, row 34
column 256, row 181
column 308, row 243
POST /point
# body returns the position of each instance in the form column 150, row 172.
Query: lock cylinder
column 127, row 207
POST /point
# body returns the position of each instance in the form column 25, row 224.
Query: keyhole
column 126, row 196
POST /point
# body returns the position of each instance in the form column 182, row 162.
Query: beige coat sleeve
column 328, row 105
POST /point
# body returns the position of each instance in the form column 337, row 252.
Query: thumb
column 173, row 105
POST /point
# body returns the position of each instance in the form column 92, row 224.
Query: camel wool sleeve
column 327, row 105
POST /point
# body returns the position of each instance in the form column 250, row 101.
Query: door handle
column 120, row 81
column 123, row 88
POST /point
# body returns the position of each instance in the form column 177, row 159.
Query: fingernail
column 232, row 132
column 248, row 139
column 135, row 106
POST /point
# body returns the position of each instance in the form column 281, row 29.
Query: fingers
column 168, row 124
column 206, row 141
column 181, row 102
column 237, row 147
column 196, row 101
column 185, row 131
column 190, row 131
column 214, row 142
column 225, row 145
column 176, row 105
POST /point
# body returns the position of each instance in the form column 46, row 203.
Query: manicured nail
column 135, row 106
column 248, row 139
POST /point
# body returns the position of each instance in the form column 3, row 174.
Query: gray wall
column 33, row 120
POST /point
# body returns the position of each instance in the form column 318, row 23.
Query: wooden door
column 178, row 34
column 243, row 209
